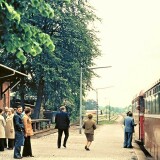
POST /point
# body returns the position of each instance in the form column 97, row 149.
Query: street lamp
column 80, row 109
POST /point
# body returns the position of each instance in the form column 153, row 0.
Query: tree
column 55, row 77
column 90, row 104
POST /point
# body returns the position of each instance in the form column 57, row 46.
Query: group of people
column 62, row 123
column 15, row 131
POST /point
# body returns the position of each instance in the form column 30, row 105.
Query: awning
column 9, row 75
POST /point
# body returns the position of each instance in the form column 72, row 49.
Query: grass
column 104, row 122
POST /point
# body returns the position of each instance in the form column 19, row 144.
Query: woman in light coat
column 2, row 130
column 89, row 126
column 10, row 133
column 27, row 150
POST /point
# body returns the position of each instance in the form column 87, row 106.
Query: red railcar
column 146, row 111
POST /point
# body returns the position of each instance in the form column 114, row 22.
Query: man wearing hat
column 62, row 124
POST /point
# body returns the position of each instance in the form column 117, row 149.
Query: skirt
column 90, row 137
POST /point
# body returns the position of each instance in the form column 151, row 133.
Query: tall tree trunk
column 22, row 89
column 39, row 99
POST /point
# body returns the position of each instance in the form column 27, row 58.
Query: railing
column 41, row 125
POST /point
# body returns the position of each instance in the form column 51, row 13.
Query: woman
column 27, row 150
column 2, row 130
column 10, row 133
column 89, row 126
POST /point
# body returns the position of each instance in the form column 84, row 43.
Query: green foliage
column 90, row 104
column 19, row 36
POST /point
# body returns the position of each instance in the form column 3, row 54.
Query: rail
column 41, row 125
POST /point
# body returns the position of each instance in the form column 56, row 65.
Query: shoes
column 64, row 145
column 10, row 148
column 29, row 156
column 87, row 149
column 17, row 157
column 130, row 147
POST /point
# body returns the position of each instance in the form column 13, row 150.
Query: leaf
column 33, row 52
column 19, row 54
column 27, row 48
column 51, row 47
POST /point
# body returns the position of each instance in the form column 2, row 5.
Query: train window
column 154, row 90
column 158, row 102
column 154, row 104
column 149, row 92
column 147, row 105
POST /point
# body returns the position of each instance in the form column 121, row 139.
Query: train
column 146, row 112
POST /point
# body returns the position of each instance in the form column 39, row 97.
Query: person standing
column 128, row 130
column 89, row 126
column 19, row 133
column 10, row 133
column 2, row 130
column 62, row 124
column 27, row 150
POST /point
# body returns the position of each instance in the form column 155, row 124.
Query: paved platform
column 108, row 145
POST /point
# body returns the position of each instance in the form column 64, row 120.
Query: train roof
column 153, row 85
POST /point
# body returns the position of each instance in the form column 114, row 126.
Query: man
column 128, row 130
column 62, row 124
column 19, row 133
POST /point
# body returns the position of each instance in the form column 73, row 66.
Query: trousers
column 60, row 132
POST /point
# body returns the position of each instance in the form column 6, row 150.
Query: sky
column 129, row 42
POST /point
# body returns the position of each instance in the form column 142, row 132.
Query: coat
column 27, row 125
column 18, row 123
column 89, row 126
column 62, row 120
column 10, row 133
column 2, row 127
column 129, row 124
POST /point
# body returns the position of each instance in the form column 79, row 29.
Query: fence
column 41, row 125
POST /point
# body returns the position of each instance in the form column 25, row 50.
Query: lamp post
column 80, row 109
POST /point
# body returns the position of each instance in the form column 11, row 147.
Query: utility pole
column 109, row 111
column 97, row 103
column 80, row 109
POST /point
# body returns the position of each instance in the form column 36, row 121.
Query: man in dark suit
column 62, row 124
column 128, row 130
column 19, row 133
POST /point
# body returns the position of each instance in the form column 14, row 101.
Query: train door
column 141, row 118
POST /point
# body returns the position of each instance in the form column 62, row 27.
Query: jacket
column 27, row 125
column 62, row 120
column 2, row 126
column 129, row 124
column 10, row 133
column 89, row 126
column 18, row 123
